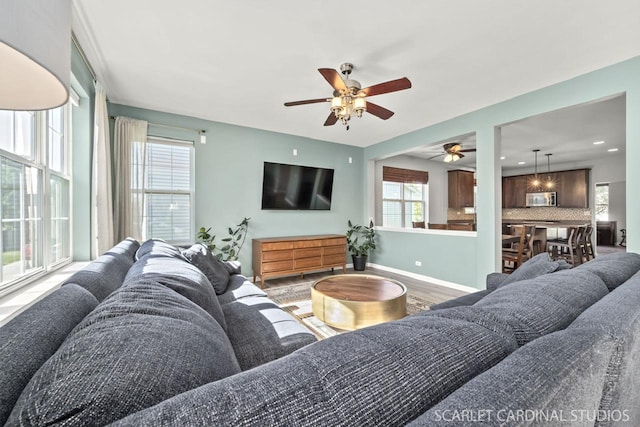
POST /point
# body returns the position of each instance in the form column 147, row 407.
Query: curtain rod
column 199, row 131
column 83, row 56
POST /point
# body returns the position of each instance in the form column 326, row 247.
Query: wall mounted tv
column 292, row 187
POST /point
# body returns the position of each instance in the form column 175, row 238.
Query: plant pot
column 359, row 262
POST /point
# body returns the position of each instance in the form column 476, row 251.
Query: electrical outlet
column 295, row 151
column 419, row 263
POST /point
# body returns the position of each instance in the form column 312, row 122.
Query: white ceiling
column 568, row 135
column 238, row 62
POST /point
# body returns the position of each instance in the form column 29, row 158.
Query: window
column 168, row 190
column 34, row 193
column 602, row 202
column 404, row 192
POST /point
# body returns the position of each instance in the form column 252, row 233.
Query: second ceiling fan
column 350, row 99
column 453, row 152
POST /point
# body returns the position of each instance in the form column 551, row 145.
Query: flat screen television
column 293, row 187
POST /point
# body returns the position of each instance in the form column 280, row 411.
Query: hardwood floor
column 419, row 288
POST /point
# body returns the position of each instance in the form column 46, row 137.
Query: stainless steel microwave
column 547, row 198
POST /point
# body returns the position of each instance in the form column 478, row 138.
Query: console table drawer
column 277, row 255
column 276, row 246
column 335, row 250
column 308, row 263
column 335, row 241
column 308, row 244
column 307, row 253
column 334, row 259
column 270, row 267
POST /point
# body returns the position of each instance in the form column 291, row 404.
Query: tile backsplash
column 547, row 213
column 536, row 214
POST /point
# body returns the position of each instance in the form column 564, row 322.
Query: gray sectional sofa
column 144, row 344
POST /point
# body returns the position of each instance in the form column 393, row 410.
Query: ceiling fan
column 453, row 152
column 349, row 98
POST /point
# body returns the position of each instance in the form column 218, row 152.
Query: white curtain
column 102, row 238
column 130, row 140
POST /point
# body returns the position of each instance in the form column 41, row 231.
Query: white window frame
column 151, row 139
column 403, row 201
column 40, row 162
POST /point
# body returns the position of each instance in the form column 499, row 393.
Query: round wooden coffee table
column 353, row 301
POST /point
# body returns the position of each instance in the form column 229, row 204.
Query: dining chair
column 566, row 249
column 417, row 224
column 529, row 241
column 512, row 258
column 588, row 251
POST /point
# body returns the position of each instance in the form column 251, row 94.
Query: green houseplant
column 232, row 244
column 360, row 241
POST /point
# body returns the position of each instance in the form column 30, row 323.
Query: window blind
column 405, row 176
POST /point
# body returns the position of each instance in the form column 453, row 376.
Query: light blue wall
column 481, row 254
column 228, row 177
column 82, row 133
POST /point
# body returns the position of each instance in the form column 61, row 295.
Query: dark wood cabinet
column 461, row 185
column 514, row 190
column 606, row 232
column 571, row 187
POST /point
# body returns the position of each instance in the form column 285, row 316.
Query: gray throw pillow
column 215, row 270
column 536, row 266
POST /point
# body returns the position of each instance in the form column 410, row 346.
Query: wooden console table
column 282, row 256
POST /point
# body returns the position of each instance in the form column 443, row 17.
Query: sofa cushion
column 558, row 375
column 140, row 346
column 127, row 247
column 399, row 370
column 614, row 269
column 240, row 287
column 260, row 331
column 30, row 338
column 618, row 315
column 103, row 275
column 177, row 274
column 158, row 247
column 468, row 299
column 548, row 303
column 534, row 267
column 215, row 270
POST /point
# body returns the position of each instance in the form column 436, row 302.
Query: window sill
column 428, row 231
column 17, row 301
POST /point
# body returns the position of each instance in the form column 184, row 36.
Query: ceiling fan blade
column 334, row 79
column 386, row 87
column 469, row 150
column 331, row 120
column 306, row 101
column 379, row 111
column 437, row 155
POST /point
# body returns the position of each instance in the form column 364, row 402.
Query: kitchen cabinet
column 571, row 188
column 461, row 185
column 514, row 190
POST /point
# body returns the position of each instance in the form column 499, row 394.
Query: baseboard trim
column 433, row 280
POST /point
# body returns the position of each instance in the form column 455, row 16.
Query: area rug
column 296, row 300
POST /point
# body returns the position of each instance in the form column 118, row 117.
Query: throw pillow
column 536, row 266
column 215, row 270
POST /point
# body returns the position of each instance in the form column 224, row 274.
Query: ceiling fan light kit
column 349, row 99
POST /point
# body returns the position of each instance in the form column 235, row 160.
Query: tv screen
column 292, row 187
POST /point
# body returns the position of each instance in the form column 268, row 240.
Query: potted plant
column 360, row 240
column 232, row 244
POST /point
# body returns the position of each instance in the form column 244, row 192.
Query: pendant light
column 35, row 53
column 535, row 183
column 549, row 183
